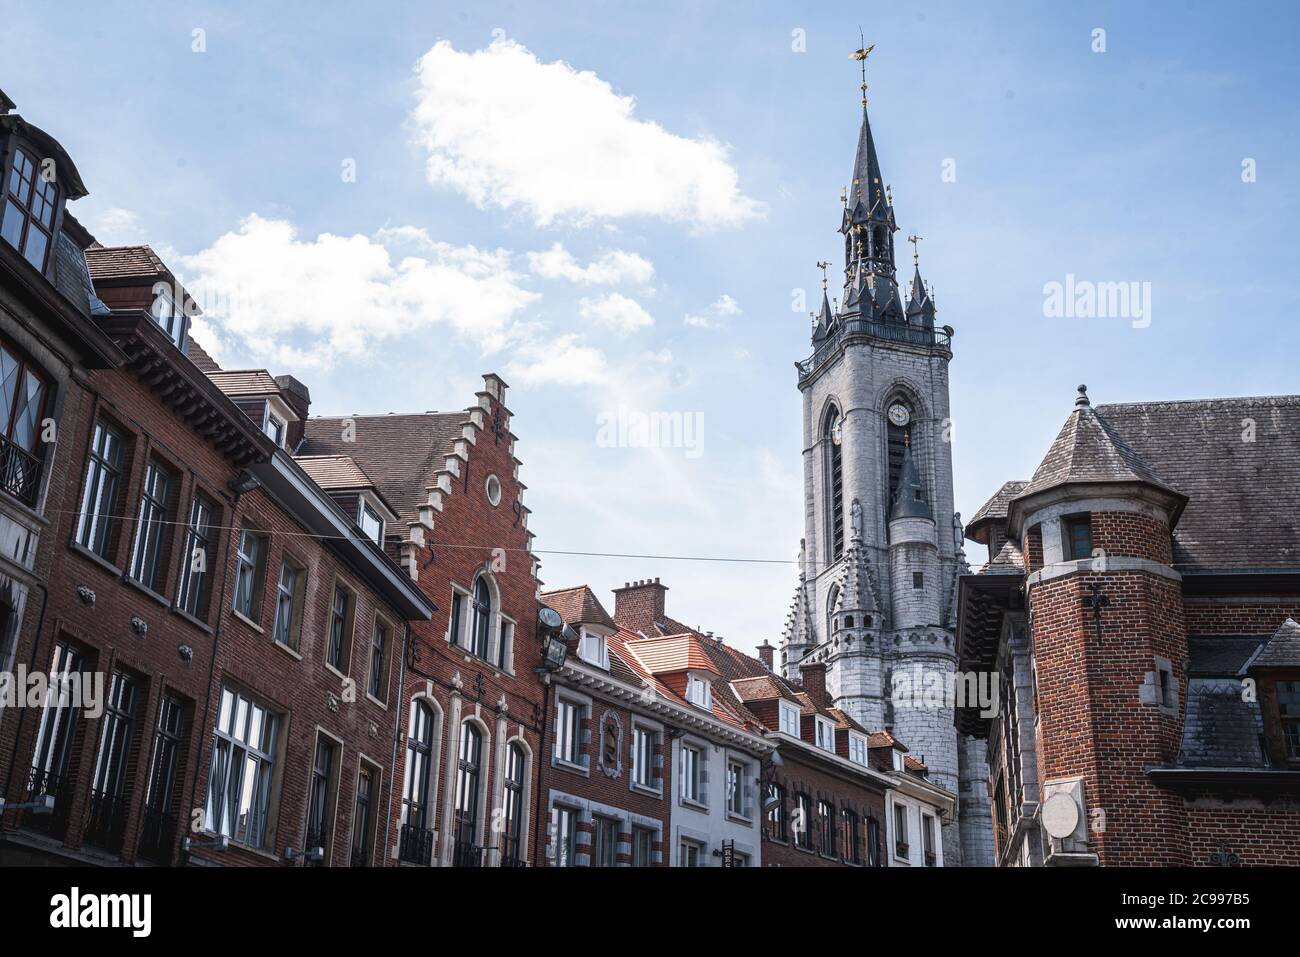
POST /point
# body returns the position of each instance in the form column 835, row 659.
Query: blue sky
column 710, row 195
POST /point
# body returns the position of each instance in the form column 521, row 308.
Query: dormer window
column 825, row 734
column 369, row 521
column 30, row 208
column 274, row 426
column 593, row 649
column 790, row 719
column 857, row 748
column 699, row 692
column 898, row 760
column 171, row 319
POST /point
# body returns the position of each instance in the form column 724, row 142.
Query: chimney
column 813, row 677
column 638, row 605
column 298, row 397
column 765, row 654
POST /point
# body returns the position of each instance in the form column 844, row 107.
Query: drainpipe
column 539, row 855
column 397, row 733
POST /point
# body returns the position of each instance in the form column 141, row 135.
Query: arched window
column 512, row 843
column 468, row 776
column 833, row 482
column 832, row 598
column 898, row 438
column 416, row 837
column 482, row 620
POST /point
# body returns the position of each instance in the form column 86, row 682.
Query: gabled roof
column 1008, row 561
column 668, row 655
column 993, row 510
column 622, row 646
column 884, row 739
column 1280, row 651
column 578, row 605
column 401, row 452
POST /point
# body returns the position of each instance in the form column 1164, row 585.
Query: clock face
column 899, row 415
column 837, row 433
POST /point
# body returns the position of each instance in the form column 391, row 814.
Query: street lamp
column 555, row 637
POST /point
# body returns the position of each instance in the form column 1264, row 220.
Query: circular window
column 494, row 490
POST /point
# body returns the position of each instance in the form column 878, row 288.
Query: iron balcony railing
column 157, row 835
column 107, row 821
column 510, row 854
column 466, row 854
column 20, row 472
column 42, row 784
column 360, row 857
column 893, row 331
column 415, row 845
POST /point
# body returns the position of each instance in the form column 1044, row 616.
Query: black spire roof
column 910, row 500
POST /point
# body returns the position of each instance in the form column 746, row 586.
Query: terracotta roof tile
column 245, row 382
column 671, row 654
column 121, row 262
column 578, row 605
column 333, row 472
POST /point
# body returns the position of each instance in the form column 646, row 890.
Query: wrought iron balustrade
column 20, row 472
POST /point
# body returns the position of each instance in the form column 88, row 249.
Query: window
column 98, row 504
column 644, row 749
column 23, row 391
column 827, row 824
column 54, row 739
column 852, row 841
column 564, row 836
column 825, row 734
column 592, row 649
column 735, row 788
column 363, row 818
column 30, row 207
column 243, row 766
column 690, row 773
column 512, row 851
column 371, row 525
column 506, row 652
column 898, row 761
column 320, row 802
column 802, row 821
column 857, row 748
column 1078, row 538
column 159, row 796
column 193, row 596
column 273, row 426
column 117, row 729
column 898, row 438
column 493, row 488
column 699, row 692
column 606, row 842
column 415, row 840
column 378, row 687
column 151, row 527
column 482, row 619
column 790, row 719
column 250, row 564
column 468, row 781
column 288, row 603
column 457, row 618
column 833, row 485
column 171, row 320
column 568, row 743
column 918, row 579
column 338, row 651
column 927, row 840
column 776, row 829
column 642, row 847
column 900, row 830
column 689, row 855
column 1288, row 711
column 832, row 599
column 873, row 843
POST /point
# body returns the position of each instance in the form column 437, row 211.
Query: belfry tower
column 882, row 545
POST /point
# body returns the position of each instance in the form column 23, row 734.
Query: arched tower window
column 833, row 479
column 898, row 416
column 482, row 619
column 832, row 598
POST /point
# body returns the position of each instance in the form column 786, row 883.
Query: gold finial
column 861, row 54
column 823, row 266
column 916, row 252
column 889, row 194
column 844, row 194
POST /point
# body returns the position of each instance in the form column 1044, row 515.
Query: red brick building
column 1138, row 605
column 471, row 703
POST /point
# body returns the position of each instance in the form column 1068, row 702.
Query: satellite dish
column 1060, row 815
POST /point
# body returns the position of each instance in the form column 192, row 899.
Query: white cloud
column 505, row 129
column 562, row 361
column 713, row 315
column 317, row 301
column 116, row 226
column 609, row 269
column 615, row 311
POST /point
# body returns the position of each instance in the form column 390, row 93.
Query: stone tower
column 882, row 548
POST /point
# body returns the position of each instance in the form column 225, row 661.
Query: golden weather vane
column 861, row 54
column 916, row 253
column 823, row 266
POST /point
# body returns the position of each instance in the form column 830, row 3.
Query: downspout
column 538, row 855
column 397, row 733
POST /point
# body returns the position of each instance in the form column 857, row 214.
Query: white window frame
column 824, row 736
column 652, row 736
column 593, row 648
column 568, row 750
column 789, row 712
column 695, row 780
column 363, row 506
column 858, row 749
column 699, row 692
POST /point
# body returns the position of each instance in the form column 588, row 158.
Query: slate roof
column 1221, row 730
column 1008, row 561
column 401, row 452
column 1280, row 651
column 1220, row 656
column 995, row 508
column 578, row 605
column 245, row 382
column 1243, row 497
